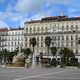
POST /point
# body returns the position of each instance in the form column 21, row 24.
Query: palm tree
column 5, row 55
column 47, row 43
column 53, row 51
column 27, row 52
column 62, row 56
column 33, row 42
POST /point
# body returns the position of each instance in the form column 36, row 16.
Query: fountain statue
column 19, row 59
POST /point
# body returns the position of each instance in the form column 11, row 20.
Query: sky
column 13, row 13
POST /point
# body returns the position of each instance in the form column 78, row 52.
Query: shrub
column 53, row 62
column 73, row 62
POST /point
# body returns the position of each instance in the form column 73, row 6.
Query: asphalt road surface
column 39, row 74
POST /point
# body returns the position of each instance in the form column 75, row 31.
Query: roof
column 11, row 29
column 54, row 18
column 3, row 29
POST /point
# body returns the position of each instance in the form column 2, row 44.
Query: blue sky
column 13, row 13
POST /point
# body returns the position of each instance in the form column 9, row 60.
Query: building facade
column 15, row 38
column 3, row 38
column 10, row 39
column 64, row 32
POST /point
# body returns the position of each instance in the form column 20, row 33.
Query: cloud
column 29, row 5
column 23, row 10
column 37, row 5
column 3, row 15
column 3, row 24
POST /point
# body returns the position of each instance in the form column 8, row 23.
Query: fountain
column 19, row 59
column 34, row 60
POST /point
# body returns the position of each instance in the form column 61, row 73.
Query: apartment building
column 64, row 31
column 11, row 38
column 15, row 38
column 3, row 38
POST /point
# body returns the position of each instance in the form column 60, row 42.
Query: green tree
column 5, row 55
column 62, row 56
column 33, row 42
column 27, row 52
column 66, row 54
column 53, row 62
column 10, row 58
column 47, row 43
column 0, row 56
column 53, row 51
column 16, row 51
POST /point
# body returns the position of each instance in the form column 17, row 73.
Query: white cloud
column 41, row 15
column 3, row 15
column 37, row 5
column 29, row 5
column 3, row 24
column 36, row 9
column 10, row 16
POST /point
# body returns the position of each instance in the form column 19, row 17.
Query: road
column 39, row 74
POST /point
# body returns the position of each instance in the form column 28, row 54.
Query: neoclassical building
column 64, row 32
column 15, row 38
column 3, row 37
column 11, row 38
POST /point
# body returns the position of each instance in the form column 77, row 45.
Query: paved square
column 39, row 74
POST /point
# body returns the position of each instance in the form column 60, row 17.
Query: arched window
column 67, row 27
column 42, row 29
column 26, row 28
column 46, row 29
column 34, row 29
column 30, row 30
column 38, row 29
column 72, row 27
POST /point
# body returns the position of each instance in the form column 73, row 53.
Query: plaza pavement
column 39, row 74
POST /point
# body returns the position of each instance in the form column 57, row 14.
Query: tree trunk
column 48, row 55
column 33, row 50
